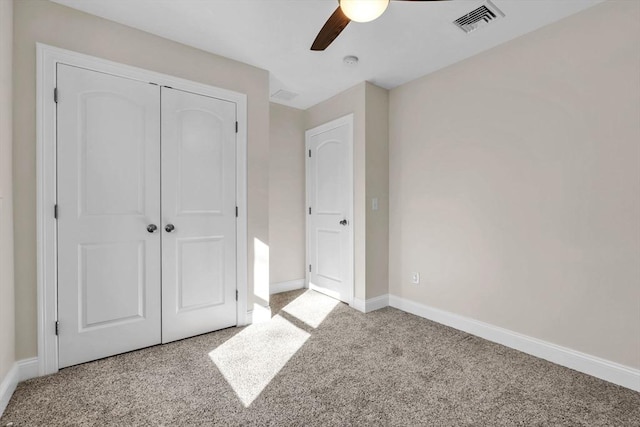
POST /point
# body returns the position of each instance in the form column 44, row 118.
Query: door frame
column 47, row 57
column 344, row 120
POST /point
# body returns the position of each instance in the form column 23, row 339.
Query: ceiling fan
column 347, row 11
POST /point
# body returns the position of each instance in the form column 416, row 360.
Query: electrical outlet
column 415, row 278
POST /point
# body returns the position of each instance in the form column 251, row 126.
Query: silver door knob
column 170, row 228
column 152, row 228
column 344, row 222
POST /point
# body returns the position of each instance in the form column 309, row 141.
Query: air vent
column 284, row 95
column 479, row 17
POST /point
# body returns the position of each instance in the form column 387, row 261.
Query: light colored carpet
column 318, row 362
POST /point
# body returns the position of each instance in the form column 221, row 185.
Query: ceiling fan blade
column 331, row 29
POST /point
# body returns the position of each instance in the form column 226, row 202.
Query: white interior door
column 199, row 214
column 108, row 195
column 330, row 208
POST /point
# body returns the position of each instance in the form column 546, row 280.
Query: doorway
column 141, row 208
column 146, row 214
column 330, row 227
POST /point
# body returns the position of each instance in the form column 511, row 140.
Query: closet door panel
column 108, row 193
column 198, row 209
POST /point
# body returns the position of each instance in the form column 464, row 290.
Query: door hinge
column 55, row 95
column 309, row 153
column 236, row 295
column 236, row 127
column 55, row 211
column 57, row 327
column 309, row 268
column 309, row 210
column 236, row 212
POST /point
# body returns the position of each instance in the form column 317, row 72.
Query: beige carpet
column 319, row 362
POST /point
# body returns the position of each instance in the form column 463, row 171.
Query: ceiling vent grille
column 284, row 95
column 479, row 17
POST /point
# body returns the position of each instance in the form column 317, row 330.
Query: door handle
column 170, row 228
column 152, row 228
column 344, row 222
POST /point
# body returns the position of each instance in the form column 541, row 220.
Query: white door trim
column 345, row 120
column 47, row 58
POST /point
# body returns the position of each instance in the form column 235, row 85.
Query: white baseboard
column 20, row 371
column 27, row 369
column 259, row 314
column 372, row 304
column 7, row 387
column 582, row 362
column 291, row 285
column 359, row 304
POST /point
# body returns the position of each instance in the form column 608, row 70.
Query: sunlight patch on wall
column 261, row 271
column 252, row 358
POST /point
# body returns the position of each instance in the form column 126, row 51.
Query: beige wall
column 515, row 185
column 370, row 107
column 50, row 23
column 286, row 194
column 7, row 301
column 377, row 186
column 351, row 101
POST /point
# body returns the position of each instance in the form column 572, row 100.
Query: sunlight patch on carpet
column 311, row 307
column 252, row 358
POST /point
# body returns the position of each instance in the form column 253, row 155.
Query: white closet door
column 330, row 199
column 199, row 214
column 108, row 160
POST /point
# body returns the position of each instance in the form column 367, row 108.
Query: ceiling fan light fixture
column 363, row 10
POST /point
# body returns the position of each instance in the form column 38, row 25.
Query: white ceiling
column 411, row 39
